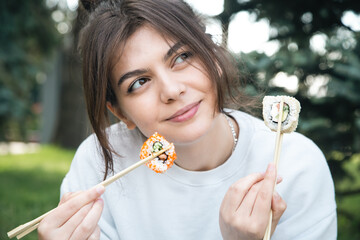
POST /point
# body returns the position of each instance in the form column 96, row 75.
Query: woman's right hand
column 76, row 217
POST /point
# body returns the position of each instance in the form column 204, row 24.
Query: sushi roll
column 290, row 116
column 155, row 144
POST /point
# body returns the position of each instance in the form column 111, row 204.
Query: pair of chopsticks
column 28, row 227
column 279, row 137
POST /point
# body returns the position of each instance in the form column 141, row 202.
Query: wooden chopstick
column 132, row 167
column 28, row 227
column 27, row 231
column 24, row 227
column 279, row 137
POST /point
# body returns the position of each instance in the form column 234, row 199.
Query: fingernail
column 100, row 189
column 279, row 179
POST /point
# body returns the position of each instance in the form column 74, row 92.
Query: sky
column 257, row 33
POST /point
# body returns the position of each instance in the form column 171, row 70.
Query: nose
column 171, row 87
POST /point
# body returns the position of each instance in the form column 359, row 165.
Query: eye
column 137, row 84
column 182, row 57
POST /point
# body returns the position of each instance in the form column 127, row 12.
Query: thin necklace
column 232, row 131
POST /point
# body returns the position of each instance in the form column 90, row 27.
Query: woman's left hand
column 245, row 210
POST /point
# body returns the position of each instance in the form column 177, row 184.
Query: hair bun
column 90, row 5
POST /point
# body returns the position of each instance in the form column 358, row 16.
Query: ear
column 130, row 124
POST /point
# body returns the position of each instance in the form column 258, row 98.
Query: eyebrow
column 137, row 72
column 131, row 74
column 173, row 50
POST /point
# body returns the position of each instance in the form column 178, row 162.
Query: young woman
column 152, row 65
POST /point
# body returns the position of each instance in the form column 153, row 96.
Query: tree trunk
column 72, row 124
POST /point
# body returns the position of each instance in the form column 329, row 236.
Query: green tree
column 27, row 36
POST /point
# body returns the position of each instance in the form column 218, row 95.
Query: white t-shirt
column 181, row 204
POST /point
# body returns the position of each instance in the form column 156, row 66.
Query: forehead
column 144, row 41
column 144, row 45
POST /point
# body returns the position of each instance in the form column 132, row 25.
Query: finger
column 68, row 196
column 70, row 226
column 63, row 212
column 247, row 204
column 89, row 224
column 238, row 190
column 263, row 199
column 46, row 225
column 278, row 206
column 64, row 198
column 96, row 234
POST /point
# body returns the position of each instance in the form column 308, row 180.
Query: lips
column 185, row 113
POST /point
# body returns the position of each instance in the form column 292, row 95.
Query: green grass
column 29, row 185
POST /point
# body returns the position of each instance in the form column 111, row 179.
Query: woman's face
column 161, row 87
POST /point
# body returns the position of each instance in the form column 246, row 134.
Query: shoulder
column 261, row 135
column 120, row 138
column 298, row 152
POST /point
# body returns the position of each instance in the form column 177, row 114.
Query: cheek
column 213, row 97
column 204, row 82
column 210, row 88
column 140, row 110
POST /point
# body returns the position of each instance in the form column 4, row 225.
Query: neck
column 210, row 151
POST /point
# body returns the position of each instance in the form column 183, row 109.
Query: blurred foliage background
column 27, row 36
column 41, row 98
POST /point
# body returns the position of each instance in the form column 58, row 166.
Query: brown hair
column 109, row 26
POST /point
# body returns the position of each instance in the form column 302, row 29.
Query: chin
column 190, row 134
